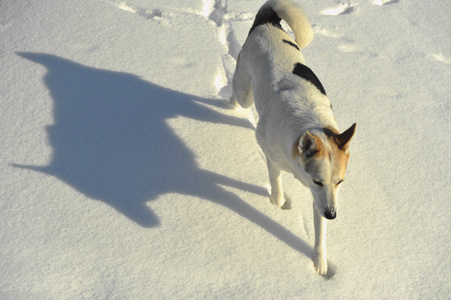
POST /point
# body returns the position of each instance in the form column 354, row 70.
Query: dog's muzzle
column 330, row 214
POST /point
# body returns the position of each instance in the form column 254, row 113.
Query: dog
column 296, row 129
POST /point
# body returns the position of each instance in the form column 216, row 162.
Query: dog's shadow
column 111, row 142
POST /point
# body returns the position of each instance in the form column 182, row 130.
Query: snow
column 125, row 175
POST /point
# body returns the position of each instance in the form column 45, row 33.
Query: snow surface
column 125, row 175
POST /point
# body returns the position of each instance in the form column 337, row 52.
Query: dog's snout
column 330, row 214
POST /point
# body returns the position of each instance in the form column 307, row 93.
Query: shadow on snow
column 111, row 142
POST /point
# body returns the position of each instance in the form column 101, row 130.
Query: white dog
column 296, row 130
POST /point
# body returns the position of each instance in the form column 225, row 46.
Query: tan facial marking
column 340, row 157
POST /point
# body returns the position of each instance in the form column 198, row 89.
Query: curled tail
column 275, row 10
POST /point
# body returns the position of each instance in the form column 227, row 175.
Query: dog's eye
column 339, row 182
column 319, row 183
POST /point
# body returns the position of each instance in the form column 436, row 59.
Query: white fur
column 288, row 106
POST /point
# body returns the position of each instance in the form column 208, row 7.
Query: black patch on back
column 307, row 74
column 292, row 44
column 266, row 15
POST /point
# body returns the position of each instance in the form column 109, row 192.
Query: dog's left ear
column 344, row 138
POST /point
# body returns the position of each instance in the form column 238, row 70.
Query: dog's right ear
column 344, row 138
column 309, row 145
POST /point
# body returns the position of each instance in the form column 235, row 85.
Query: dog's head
column 324, row 157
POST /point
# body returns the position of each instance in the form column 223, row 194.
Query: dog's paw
column 233, row 103
column 286, row 205
column 278, row 200
column 320, row 265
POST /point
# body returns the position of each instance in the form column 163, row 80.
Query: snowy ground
column 125, row 175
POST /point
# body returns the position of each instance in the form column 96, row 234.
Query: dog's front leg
column 319, row 251
column 275, row 180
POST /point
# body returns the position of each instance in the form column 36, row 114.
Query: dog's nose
column 330, row 214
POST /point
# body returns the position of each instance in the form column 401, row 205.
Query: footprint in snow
column 150, row 14
column 441, row 58
column 383, row 2
column 341, row 9
column 332, row 33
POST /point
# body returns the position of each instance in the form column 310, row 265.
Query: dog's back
column 269, row 56
column 271, row 69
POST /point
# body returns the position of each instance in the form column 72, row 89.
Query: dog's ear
column 309, row 145
column 344, row 138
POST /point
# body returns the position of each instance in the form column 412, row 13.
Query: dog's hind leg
column 242, row 87
column 275, row 179
column 319, row 251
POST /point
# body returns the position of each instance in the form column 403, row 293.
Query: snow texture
column 125, row 175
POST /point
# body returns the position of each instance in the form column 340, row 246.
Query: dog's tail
column 275, row 10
